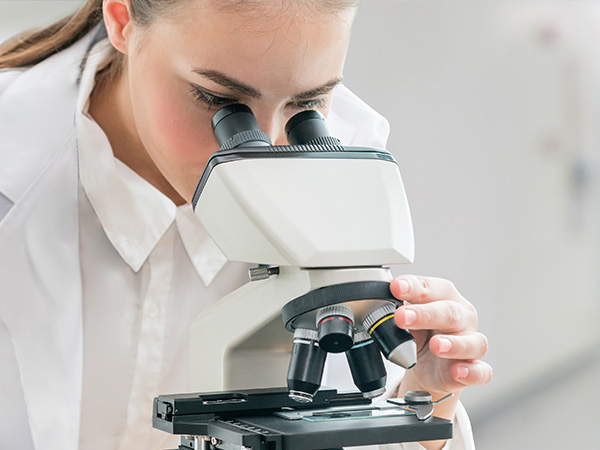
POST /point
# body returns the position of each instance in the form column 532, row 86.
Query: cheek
column 177, row 136
column 179, row 131
column 175, row 132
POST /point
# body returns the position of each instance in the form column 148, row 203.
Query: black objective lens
column 309, row 127
column 306, row 366
column 366, row 365
column 336, row 328
column 235, row 126
column 396, row 344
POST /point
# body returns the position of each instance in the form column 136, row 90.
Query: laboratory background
column 494, row 109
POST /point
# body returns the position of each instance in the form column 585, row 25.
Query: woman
column 103, row 264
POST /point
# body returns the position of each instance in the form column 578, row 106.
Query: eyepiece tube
column 306, row 366
column 309, row 127
column 336, row 328
column 396, row 344
column 235, row 126
column 366, row 365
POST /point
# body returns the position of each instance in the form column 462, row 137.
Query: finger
column 469, row 373
column 418, row 289
column 470, row 346
column 446, row 316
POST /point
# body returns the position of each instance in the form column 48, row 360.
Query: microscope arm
column 227, row 323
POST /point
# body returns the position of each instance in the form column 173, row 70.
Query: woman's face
column 184, row 69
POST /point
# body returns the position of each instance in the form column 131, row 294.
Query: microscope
column 321, row 222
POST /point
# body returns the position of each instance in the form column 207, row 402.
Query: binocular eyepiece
column 235, row 126
column 331, row 323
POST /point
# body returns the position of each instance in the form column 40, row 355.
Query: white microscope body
column 313, row 216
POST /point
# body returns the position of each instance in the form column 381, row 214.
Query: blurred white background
column 494, row 109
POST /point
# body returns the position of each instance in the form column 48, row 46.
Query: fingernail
column 463, row 372
column 445, row 345
column 409, row 317
column 404, row 286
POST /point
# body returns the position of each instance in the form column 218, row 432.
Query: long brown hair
column 33, row 46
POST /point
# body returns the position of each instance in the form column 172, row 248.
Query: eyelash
column 208, row 99
column 213, row 101
column 317, row 103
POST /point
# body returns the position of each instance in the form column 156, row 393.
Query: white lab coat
column 40, row 285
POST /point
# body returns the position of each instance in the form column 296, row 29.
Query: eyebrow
column 228, row 82
column 236, row 85
column 321, row 90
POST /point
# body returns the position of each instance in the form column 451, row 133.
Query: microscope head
column 311, row 204
column 320, row 207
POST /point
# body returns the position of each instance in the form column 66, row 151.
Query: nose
column 274, row 126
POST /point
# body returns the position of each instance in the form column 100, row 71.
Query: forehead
column 269, row 43
column 270, row 8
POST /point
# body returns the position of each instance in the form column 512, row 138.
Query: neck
column 110, row 106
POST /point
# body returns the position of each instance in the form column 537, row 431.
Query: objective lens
column 396, row 344
column 235, row 126
column 366, row 365
column 309, row 127
column 306, row 366
column 336, row 328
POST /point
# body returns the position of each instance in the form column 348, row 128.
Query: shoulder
column 7, row 76
column 37, row 117
column 356, row 123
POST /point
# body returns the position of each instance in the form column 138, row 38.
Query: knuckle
column 462, row 348
column 424, row 288
column 453, row 315
column 426, row 315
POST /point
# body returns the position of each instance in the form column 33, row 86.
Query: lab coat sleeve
column 462, row 440
column 7, row 76
column 462, row 432
column 354, row 122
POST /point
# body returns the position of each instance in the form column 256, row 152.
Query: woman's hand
column 449, row 347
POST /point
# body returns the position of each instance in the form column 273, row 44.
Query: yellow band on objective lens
column 375, row 325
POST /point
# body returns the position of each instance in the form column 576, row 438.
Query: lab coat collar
column 201, row 249
column 134, row 214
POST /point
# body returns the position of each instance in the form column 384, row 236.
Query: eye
column 208, row 99
column 315, row 103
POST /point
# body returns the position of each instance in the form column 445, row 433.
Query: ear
column 117, row 19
